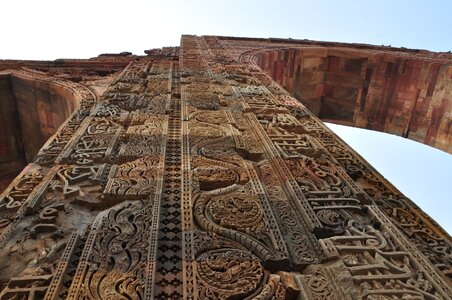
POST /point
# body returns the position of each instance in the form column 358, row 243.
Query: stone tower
column 205, row 172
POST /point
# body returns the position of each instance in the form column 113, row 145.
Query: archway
column 31, row 111
column 393, row 92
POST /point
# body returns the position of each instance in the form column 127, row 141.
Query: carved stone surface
column 190, row 173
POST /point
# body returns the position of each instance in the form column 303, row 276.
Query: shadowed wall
column 30, row 113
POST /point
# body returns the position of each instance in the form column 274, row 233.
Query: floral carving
column 228, row 274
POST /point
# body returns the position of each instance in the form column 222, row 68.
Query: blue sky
column 48, row 29
column 420, row 172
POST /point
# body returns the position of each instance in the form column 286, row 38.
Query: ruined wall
column 196, row 176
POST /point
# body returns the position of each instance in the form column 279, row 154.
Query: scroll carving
column 135, row 179
column 380, row 268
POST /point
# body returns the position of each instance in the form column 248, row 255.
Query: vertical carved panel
column 196, row 176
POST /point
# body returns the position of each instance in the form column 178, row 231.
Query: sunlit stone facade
column 204, row 171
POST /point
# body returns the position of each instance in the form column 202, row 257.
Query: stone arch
column 397, row 92
column 33, row 107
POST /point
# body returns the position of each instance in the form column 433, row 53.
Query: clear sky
column 420, row 172
column 48, row 29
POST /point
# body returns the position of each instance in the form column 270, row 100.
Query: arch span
column 401, row 93
column 31, row 111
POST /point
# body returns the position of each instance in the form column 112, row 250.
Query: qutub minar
column 205, row 172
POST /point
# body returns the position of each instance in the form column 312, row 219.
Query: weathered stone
column 191, row 173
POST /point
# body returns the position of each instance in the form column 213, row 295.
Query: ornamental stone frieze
column 205, row 171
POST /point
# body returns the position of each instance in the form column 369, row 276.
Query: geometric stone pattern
column 191, row 173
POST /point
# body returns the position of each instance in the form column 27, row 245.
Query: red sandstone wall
column 43, row 106
column 31, row 111
column 12, row 158
column 407, row 96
